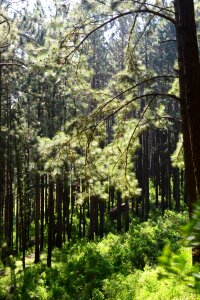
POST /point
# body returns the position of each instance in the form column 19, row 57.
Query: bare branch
column 166, row 41
column 169, row 118
column 143, row 31
column 11, row 64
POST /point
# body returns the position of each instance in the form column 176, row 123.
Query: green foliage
column 178, row 264
column 177, row 157
column 119, row 266
column 146, row 285
column 192, row 229
column 146, row 240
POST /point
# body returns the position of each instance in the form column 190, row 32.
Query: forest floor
column 126, row 266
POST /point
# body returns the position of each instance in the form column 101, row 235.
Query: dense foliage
column 119, row 266
column 99, row 148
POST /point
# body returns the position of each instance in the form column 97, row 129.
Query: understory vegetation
column 129, row 265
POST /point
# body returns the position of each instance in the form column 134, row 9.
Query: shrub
column 146, row 240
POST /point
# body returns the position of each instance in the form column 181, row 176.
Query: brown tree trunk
column 187, row 38
column 190, row 96
column 190, row 182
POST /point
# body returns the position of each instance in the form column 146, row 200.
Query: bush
column 146, row 240
column 110, row 268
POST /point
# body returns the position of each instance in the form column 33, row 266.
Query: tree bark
column 187, row 38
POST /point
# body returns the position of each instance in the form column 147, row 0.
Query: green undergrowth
column 119, row 266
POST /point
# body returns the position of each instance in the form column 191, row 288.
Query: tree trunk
column 92, row 218
column 101, row 219
column 187, row 38
column 119, row 203
column 190, row 94
column 59, row 201
column 42, row 213
column 37, row 218
column 51, row 222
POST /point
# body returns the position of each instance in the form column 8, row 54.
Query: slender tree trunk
column 50, row 222
column 101, row 221
column 146, row 173
column 119, row 203
column 92, row 218
column 176, row 188
column 66, row 211
column 37, row 218
column 59, row 201
column 126, row 215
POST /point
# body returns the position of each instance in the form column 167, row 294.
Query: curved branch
column 140, row 97
column 143, row 31
column 5, row 21
column 93, row 127
column 156, row 13
column 133, row 87
column 167, row 117
column 165, row 9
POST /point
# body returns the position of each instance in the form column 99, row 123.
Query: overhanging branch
column 156, row 13
column 131, row 88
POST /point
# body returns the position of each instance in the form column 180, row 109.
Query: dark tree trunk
column 80, row 221
column 163, row 172
column 66, row 206
column 188, row 53
column 187, row 38
column 46, row 199
column 59, row 201
column 37, row 218
column 126, row 215
column 96, row 219
column 101, row 221
column 119, row 202
column 50, row 222
column 42, row 213
column 84, row 220
column 176, row 188
column 92, row 218
column 146, row 173
column 190, row 182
